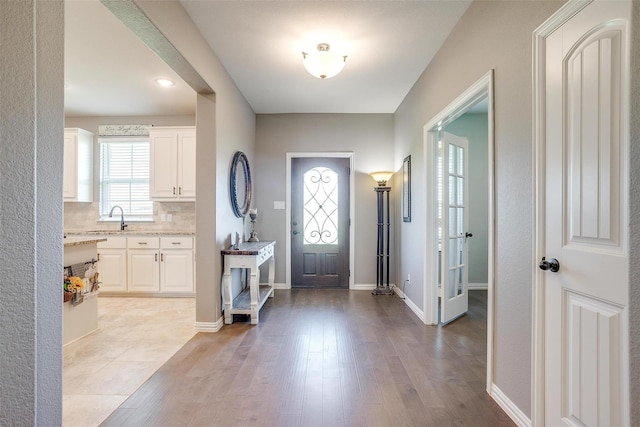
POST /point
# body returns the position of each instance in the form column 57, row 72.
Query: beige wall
column 31, row 128
column 225, row 124
column 368, row 136
column 490, row 35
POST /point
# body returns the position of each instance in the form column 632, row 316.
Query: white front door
column 453, row 230
column 584, row 224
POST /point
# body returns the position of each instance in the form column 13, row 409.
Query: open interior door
column 453, row 231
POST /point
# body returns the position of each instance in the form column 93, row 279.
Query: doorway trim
column 483, row 88
column 352, row 228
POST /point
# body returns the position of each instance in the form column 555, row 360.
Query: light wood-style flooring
column 325, row 358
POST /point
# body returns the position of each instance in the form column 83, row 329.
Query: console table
column 249, row 255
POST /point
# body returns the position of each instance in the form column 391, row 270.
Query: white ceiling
column 388, row 43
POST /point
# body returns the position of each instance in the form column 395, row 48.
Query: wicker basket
column 67, row 296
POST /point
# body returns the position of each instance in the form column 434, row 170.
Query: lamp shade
column 381, row 177
column 323, row 64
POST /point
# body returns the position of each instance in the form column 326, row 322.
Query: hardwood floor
column 325, row 358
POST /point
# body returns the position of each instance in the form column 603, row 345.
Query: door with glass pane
column 454, row 222
column 320, row 222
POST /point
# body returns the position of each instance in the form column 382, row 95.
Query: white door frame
column 483, row 88
column 352, row 207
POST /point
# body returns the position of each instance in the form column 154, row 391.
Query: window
column 124, row 176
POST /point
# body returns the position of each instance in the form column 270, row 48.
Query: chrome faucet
column 122, row 224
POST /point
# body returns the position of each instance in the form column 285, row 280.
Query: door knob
column 552, row 265
column 294, row 232
column 467, row 234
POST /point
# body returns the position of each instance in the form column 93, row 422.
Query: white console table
column 249, row 255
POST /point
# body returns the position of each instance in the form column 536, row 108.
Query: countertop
column 77, row 241
column 129, row 233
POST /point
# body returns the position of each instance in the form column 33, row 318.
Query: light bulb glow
column 164, row 82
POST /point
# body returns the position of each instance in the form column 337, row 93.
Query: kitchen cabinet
column 147, row 265
column 112, row 264
column 78, row 165
column 176, row 264
column 173, row 163
column 144, row 267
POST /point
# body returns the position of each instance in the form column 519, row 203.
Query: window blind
column 124, row 176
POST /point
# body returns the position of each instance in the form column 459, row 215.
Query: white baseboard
column 416, row 310
column 209, row 326
column 478, row 286
column 509, row 407
column 363, row 287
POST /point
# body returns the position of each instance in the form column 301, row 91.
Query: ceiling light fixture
column 164, row 82
column 323, row 64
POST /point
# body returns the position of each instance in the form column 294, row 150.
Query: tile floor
column 135, row 337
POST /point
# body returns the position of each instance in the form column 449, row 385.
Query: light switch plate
column 278, row 204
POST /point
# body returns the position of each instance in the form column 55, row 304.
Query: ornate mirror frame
column 240, row 207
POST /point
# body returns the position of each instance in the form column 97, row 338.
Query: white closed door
column 585, row 219
column 454, row 226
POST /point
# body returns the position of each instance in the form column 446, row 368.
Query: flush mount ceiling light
column 164, row 82
column 323, row 64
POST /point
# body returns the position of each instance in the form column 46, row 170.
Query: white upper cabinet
column 78, row 165
column 173, row 163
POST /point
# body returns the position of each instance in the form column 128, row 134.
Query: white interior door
column 585, row 219
column 453, row 233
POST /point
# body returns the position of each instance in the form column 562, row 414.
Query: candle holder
column 254, row 235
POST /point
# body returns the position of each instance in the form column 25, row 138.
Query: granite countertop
column 130, row 233
column 77, row 241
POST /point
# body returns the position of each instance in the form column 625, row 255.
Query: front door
column 453, row 231
column 584, row 273
column 320, row 222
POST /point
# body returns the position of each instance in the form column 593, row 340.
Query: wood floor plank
column 325, row 358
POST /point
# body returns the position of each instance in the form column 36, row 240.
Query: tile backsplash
column 84, row 217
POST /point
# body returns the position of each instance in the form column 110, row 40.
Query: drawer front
column 143, row 242
column 265, row 254
column 113, row 243
column 176, row 242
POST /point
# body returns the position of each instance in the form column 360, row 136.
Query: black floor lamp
column 384, row 226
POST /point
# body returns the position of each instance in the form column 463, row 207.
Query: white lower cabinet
column 151, row 265
column 144, row 267
column 112, row 264
column 176, row 264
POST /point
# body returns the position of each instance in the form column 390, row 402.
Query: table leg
column 254, row 290
column 228, row 300
column 272, row 273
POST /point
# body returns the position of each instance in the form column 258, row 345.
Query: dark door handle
column 467, row 235
column 552, row 265
column 294, row 232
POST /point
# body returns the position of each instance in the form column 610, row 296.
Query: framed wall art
column 406, row 189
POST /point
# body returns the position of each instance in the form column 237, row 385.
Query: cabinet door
column 176, row 270
column 163, row 165
column 187, row 165
column 70, row 164
column 112, row 267
column 143, row 270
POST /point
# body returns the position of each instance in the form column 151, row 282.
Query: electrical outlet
column 163, row 217
column 169, row 217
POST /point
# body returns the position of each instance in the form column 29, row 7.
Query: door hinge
column 349, row 273
column 349, row 171
column 349, row 222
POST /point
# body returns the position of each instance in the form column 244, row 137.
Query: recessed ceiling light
column 164, row 82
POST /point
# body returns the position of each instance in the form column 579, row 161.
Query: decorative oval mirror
column 240, row 184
